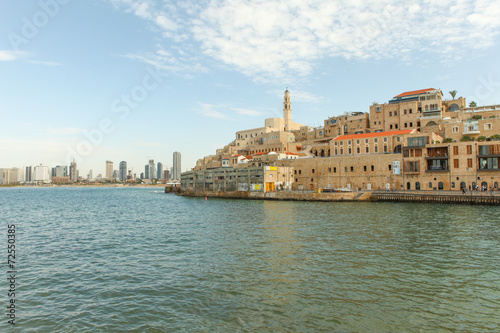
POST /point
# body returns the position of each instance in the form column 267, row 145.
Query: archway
column 397, row 149
column 440, row 186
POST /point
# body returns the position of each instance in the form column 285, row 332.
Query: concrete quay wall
column 283, row 195
column 354, row 197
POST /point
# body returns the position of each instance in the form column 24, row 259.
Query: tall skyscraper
column 152, row 169
column 29, row 174
column 109, row 169
column 91, row 176
column 73, row 172
column 60, row 171
column 41, row 174
column 123, row 170
column 159, row 171
column 177, row 166
column 146, row 172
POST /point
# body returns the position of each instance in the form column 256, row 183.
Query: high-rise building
column 177, row 166
column 41, row 174
column 60, row 171
column 159, row 171
column 142, row 175
column 152, row 169
column 146, row 172
column 91, row 176
column 73, row 172
column 123, row 171
column 29, row 174
column 115, row 174
column 109, row 169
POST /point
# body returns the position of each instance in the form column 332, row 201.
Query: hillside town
column 416, row 141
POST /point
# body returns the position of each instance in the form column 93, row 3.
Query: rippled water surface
column 136, row 259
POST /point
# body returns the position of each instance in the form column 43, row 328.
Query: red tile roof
column 372, row 135
column 289, row 153
column 415, row 92
column 262, row 153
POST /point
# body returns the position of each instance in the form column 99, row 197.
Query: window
column 295, row 171
column 376, row 148
column 411, row 111
column 350, row 150
column 430, row 185
column 358, row 150
column 366, row 140
column 455, row 163
column 390, row 126
column 352, row 168
column 300, row 172
column 330, row 170
column 390, row 167
column 376, row 140
column 385, row 139
column 411, row 124
column 396, row 126
column 373, row 168
column 405, row 111
column 417, row 141
column 395, row 113
column 418, row 152
column 385, row 148
column 357, row 142
column 341, row 150
column 487, row 127
column 454, row 129
column 469, row 150
column 367, row 149
column 364, row 168
column 406, row 125
column 312, row 170
column 345, row 169
column 469, row 162
column 390, row 114
column 334, row 169
column 455, row 150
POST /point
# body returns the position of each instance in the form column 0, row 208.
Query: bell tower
column 287, row 110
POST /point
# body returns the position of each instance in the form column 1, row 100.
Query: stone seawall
column 284, row 195
column 355, row 197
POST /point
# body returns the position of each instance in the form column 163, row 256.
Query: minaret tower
column 287, row 110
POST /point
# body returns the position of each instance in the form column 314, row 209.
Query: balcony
column 471, row 127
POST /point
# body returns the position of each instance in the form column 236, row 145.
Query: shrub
column 481, row 138
column 448, row 140
column 466, row 138
column 477, row 117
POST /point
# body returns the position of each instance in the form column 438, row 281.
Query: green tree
column 453, row 93
column 472, row 104
column 447, row 140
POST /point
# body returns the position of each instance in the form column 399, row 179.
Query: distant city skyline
column 144, row 80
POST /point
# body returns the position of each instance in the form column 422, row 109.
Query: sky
column 124, row 80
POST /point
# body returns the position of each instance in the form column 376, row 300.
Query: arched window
column 463, row 185
column 417, row 186
column 495, row 185
column 397, row 149
column 454, row 107
column 452, row 184
column 430, row 185
column 440, row 186
column 408, row 186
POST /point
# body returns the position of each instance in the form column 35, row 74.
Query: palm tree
column 472, row 104
column 453, row 93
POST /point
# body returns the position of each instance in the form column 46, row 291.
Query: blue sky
column 131, row 80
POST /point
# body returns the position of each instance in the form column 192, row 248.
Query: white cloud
column 7, row 55
column 208, row 110
column 280, row 41
column 62, row 131
column 45, row 63
column 248, row 112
